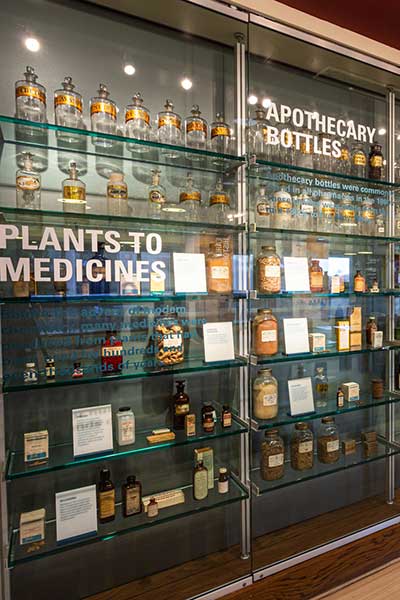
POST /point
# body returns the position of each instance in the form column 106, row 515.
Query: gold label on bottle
column 359, row 159
column 169, row 120
column 284, row 205
column 30, row 91
column 132, row 502
column 73, row 192
column 348, row 213
column 306, row 149
column 344, row 154
column 376, row 161
column 328, row 211
column 196, row 126
column 27, row 182
column 220, row 130
column 68, row 100
column 103, row 107
column 219, row 199
column 263, row 208
column 107, row 504
column 368, row 214
column 182, row 409
column 137, row 114
column 194, row 196
column 156, row 197
column 117, row 191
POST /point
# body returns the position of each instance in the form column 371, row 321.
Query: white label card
column 300, row 396
column 92, row 430
column 218, row 341
column 296, row 274
column 296, row 335
column 76, row 513
column 189, row 273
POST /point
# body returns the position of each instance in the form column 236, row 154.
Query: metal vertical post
column 390, row 408
column 5, row 572
column 240, row 117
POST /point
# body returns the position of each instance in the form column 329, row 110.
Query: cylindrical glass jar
column 272, row 464
column 304, row 211
column 283, row 209
column 137, row 124
column 103, row 116
column 375, row 162
column 220, row 135
column 316, row 274
column 219, row 270
column 68, row 108
column 30, row 98
column 326, row 213
column 347, row 215
column 117, row 195
column 328, row 441
column 196, row 129
column 368, row 214
column 302, row 447
column 168, row 340
column 265, row 333
column 265, row 395
column 268, row 271
column 358, row 161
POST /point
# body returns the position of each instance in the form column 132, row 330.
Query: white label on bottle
column 276, row 460
column 270, row 399
column 223, row 487
column 332, row 446
column 268, row 336
column 220, row 272
column 28, row 182
column 173, row 340
column 307, row 208
column 272, row 271
column 305, row 447
column 126, row 430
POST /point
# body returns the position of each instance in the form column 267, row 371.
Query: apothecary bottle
column 196, row 129
column 74, row 192
column 302, row 447
column 370, row 329
column 132, row 496
column 28, row 185
column 168, row 340
column 103, row 116
column 359, row 284
column 268, row 271
column 358, row 161
column 265, row 210
column 326, row 213
column 117, row 195
column 375, row 162
column 316, row 274
column 265, row 333
column 125, row 426
column 380, row 224
column 68, row 108
column 219, row 270
column 304, row 214
column 190, row 199
column 305, row 156
column 137, row 124
column 220, row 135
column 265, row 395
column 30, row 373
column 321, row 387
column 181, row 406
column 258, row 135
column 219, row 203
column 343, row 163
column 157, row 195
column 30, row 98
column 200, row 481
column 272, row 464
column 347, row 214
column 101, row 285
column 169, row 125
column 283, row 209
column 328, row 441
column 368, row 215
column 106, row 497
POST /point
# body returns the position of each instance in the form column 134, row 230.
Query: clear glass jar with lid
column 137, row 124
column 328, row 441
column 268, row 271
column 258, row 134
column 30, row 98
column 283, row 209
column 265, row 208
column 358, row 161
column 68, row 108
column 265, row 395
column 103, row 116
column 265, row 333
column 196, row 130
column 169, row 125
column 368, row 215
column 302, row 447
column 272, row 464
column 220, row 136
column 347, row 214
column 304, row 206
column 326, row 213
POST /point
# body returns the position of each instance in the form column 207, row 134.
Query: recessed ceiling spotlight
column 32, row 44
column 129, row 70
column 186, row 83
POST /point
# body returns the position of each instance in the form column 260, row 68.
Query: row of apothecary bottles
column 28, row 187
column 282, row 210
column 167, row 129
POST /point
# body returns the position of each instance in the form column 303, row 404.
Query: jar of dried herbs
column 268, row 271
column 272, row 456
column 302, row 447
column 328, row 441
column 265, row 395
column 168, row 340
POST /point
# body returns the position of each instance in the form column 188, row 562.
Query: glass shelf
column 254, row 295
column 283, row 418
column 319, row 236
column 44, row 135
column 291, row 476
column 61, row 456
column 117, row 299
column 188, row 366
column 122, row 525
column 280, row 357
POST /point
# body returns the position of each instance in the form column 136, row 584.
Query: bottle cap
column 104, row 474
column 124, row 408
column 301, row 426
column 103, row 91
column 328, row 420
column 195, row 110
column 271, row 432
column 30, row 75
column 265, row 372
column 67, row 84
column 223, row 470
column 137, row 99
column 116, row 178
column 30, row 365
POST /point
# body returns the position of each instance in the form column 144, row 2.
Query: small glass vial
column 321, row 387
column 219, row 203
column 340, row 398
column 302, row 447
column 265, row 395
column 272, row 464
column 169, row 125
column 375, row 162
column 304, row 211
column 103, row 116
column 326, row 213
column 68, row 109
column 265, row 333
column 132, row 497
column 264, row 208
column 152, row 508
column 190, row 199
column 223, row 481
column 258, row 135
column 117, row 195
column 347, row 215
column 328, row 441
column 30, row 98
column 268, row 271
column 77, row 372
column 50, row 368
column 220, row 135
column 125, row 426
column 138, row 124
column 283, row 209
column 30, row 373
column 28, row 185
column 368, row 215
column 74, row 192
column 358, row 161
column 316, row 274
column 359, row 285
column 196, row 130
column 157, row 195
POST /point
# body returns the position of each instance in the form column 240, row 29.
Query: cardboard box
column 355, row 318
column 36, row 447
column 31, row 526
column 377, row 339
column 317, row 342
column 351, row 391
column 355, row 339
column 348, row 447
column 343, row 335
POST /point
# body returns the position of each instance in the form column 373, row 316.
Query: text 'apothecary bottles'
column 103, row 116
column 137, row 123
column 265, row 333
column 30, row 98
column 272, row 464
column 268, row 271
column 68, row 106
column 28, row 185
column 181, row 406
column 196, row 129
column 265, row 395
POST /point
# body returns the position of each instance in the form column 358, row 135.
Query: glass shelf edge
column 254, row 295
column 120, row 299
column 253, row 232
column 320, row 355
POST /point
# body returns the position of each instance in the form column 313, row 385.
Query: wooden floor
column 381, row 585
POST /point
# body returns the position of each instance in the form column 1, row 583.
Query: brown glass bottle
column 132, row 497
column 375, row 162
column 181, row 405
column 106, row 497
column 371, row 327
column 359, row 282
column 316, row 277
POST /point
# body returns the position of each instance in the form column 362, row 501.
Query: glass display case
column 199, row 273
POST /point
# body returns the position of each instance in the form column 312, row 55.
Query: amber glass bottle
column 316, row 277
column 106, row 497
column 181, row 405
